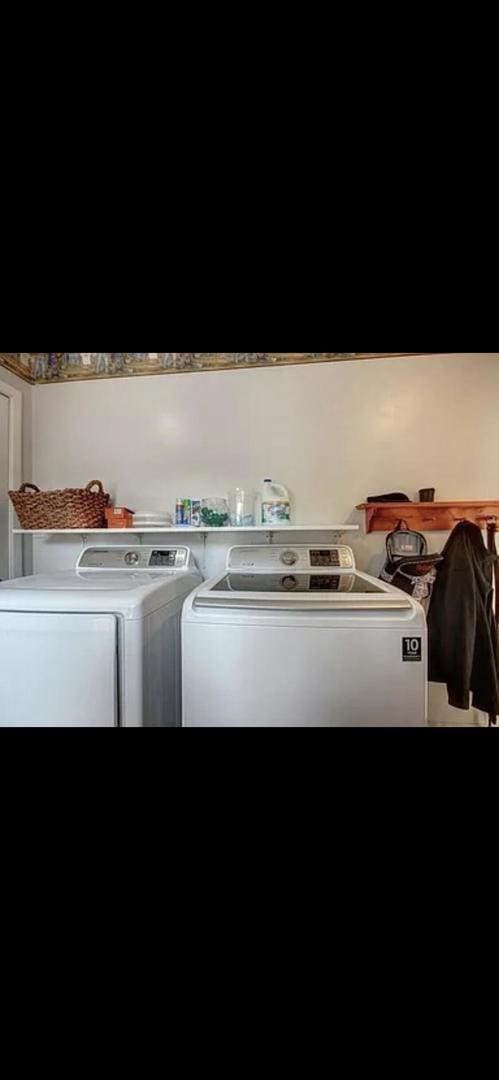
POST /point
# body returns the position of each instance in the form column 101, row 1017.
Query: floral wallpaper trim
column 64, row 367
column 19, row 363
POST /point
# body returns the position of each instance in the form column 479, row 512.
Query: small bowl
column 215, row 513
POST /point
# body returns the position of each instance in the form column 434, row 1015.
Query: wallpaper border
column 81, row 367
column 13, row 362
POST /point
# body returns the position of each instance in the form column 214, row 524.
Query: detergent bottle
column 274, row 504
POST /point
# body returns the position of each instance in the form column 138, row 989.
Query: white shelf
column 180, row 530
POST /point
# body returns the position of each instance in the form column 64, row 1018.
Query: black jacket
column 463, row 640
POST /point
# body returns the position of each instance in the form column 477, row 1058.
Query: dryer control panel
column 299, row 557
column 136, row 557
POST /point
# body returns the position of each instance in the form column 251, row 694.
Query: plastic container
column 148, row 519
column 183, row 512
column 273, row 504
column 241, row 508
column 153, row 515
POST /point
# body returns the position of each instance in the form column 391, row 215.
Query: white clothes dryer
column 98, row 646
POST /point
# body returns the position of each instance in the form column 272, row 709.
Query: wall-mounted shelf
column 203, row 531
column 427, row 517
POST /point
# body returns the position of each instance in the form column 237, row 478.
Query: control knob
column 289, row 558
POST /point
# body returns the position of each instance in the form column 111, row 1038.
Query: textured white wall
column 334, row 433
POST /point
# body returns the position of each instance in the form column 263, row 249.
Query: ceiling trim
column 19, row 364
column 72, row 367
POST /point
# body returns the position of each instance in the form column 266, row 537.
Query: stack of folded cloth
column 152, row 519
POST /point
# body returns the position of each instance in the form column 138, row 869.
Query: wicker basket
column 73, row 508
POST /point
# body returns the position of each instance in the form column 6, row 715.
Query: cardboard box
column 119, row 517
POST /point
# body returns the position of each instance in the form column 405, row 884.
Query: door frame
column 15, row 399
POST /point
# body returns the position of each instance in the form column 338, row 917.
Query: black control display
column 163, row 558
column 324, row 558
column 326, row 583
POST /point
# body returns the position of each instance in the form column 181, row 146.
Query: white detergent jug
column 274, row 504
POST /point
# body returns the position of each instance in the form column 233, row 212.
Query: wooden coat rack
column 428, row 517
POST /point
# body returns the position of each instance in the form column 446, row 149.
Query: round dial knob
column 289, row 558
column 131, row 558
column 289, row 583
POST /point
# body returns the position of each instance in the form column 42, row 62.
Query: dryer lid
column 128, row 593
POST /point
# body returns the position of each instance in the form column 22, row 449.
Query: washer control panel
column 301, row 557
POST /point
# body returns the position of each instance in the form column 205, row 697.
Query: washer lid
column 297, row 592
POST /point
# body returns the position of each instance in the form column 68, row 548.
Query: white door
column 58, row 670
column 4, row 484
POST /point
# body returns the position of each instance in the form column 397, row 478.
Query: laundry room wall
column 334, row 433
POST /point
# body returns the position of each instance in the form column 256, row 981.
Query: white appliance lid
column 81, row 580
column 298, row 591
column 132, row 594
column 296, row 583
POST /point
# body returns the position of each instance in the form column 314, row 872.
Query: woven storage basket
column 73, row 508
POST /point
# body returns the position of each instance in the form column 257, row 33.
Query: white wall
column 9, row 379
column 334, row 433
column 27, row 391
column 4, row 485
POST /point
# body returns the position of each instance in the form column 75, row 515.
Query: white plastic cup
column 241, row 508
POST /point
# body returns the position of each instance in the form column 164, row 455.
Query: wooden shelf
column 427, row 517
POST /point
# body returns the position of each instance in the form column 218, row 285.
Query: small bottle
column 196, row 513
column 179, row 512
column 187, row 504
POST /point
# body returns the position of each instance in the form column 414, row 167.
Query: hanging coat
column 463, row 638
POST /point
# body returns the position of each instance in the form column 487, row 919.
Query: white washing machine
column 298, row 637
column 98, row 646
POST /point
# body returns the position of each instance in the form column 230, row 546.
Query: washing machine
column 98, row 646
column 298, row 637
